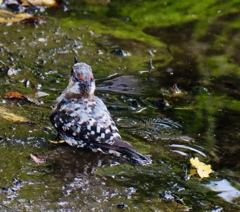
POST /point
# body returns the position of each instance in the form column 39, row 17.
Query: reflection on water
column 193, row 46
column 225, row 190
column 127, row 84
column 181, row 146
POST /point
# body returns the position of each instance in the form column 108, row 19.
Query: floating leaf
column 13, row 117
column 9, row 17
column 57, row 142
column 39, row 159
column 41, row 2
column 203, row 170
column 14, row 95
column 192, row 172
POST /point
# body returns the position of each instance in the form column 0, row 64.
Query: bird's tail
column 127, row 154
column 131, row 156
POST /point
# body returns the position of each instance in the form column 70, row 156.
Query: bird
column 83, row 120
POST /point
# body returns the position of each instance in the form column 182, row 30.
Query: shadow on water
column 173, row 35
column 198, row 53
column 226, row 136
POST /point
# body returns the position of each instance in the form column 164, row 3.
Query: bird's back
column 84, row 120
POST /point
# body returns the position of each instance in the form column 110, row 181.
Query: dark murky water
column 194, row 46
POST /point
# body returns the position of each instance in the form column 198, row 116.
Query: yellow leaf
column 195, row 162
column 41, row 2
column 9, row 17
column 192, row 172
column 57, row 142
column 13, row 117
column 203, row 170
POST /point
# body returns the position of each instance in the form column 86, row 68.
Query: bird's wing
column 86, row 122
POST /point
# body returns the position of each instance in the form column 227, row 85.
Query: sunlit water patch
column 225, row 190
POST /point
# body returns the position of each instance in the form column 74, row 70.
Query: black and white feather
column 83, row 120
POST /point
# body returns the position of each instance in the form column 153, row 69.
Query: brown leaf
column 14, row 95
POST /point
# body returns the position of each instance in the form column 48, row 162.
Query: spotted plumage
column 83, row 120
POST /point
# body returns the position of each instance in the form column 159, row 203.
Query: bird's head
column 81, row 80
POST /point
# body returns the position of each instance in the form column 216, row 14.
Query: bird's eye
column 91, row 78
column 80, row 77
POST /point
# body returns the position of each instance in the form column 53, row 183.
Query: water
column 193, row 46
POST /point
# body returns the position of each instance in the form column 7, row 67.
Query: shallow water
column 194, row 46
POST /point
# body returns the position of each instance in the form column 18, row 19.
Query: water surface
column 192, row 45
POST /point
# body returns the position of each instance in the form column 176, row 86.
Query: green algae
column 192, row 44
